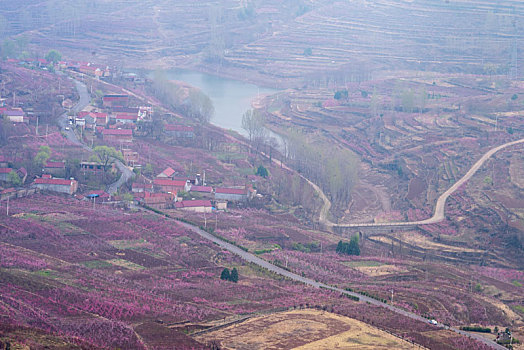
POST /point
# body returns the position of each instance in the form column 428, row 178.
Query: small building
column 139, row 188
column 180, row 131
column 4, row 174
column 55, row 168
column 91, row 166
column 15, row 115
column 168, row 185
column 231, row 194
column 80, row 121
column 115, row 100
column 56, row 185
column 130, row 157
column 91, row 70
column 117, row 135
column 22, row 174
column 7, row 193
column 5, row 161
column 126, row 118
column 204, row 191
column 101, row 118
column 221, row 205
column 159, row 200
column 128, row 110
column 168, row 173
column 198, row 206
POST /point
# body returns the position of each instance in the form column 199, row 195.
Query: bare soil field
column 303, row 329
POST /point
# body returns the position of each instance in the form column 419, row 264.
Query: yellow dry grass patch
column 127, row 264
column 375, row 271
column 303, row 329
column 424, row 242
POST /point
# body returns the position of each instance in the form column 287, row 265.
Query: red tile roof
column 144, row 186
column 120, row 132
column 167, row 182
column 193, row 204
column 54, row 181
column 5, row 170
column 231, row 190
column 5, row 158
column 124, row 116
column 168, row 172
column 59, row 165
column 207, row 189
column 8, row 190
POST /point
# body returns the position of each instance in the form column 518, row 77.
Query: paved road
column 265, row 264
column 63, row 122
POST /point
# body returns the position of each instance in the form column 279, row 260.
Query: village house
column 91, row 167
column 130, row 157
column 168, row 173
column 101, row 119
column 159, row 200
column 54, row 168
column 117, row 135
column 15, row 115
column 168, row 185
column 180, row 131
column 115, row 100
column 128, row 110
column 48, row 183
column 126, row 118
column 202, row 191
column 7, row 193
column 22, row 174
column 231, row 194
column 140, row 188
column 4, row 174
column 5, row 161
column 198, row 206
column 91, row 70
column 80, row 121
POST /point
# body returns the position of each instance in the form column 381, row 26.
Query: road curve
column 84, row 100
column 438, row 214
column 267, row 265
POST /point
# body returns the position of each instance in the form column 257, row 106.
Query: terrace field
column 281, row 42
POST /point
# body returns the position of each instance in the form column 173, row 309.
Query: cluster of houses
column 117, row 124
column 163, row 193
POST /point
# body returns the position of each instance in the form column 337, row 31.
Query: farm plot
column 303, row 329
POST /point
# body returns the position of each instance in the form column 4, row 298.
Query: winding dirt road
column 438, row 214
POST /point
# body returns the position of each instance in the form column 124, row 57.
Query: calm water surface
column 231, row 98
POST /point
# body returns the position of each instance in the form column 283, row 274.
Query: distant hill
column 279, row 39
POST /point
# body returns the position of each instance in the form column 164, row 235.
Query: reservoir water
column 231, row 98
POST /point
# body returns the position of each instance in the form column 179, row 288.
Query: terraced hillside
column 280, row 39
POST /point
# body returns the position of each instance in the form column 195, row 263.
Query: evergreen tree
column 234, row 275
column 262, row 171
column 340, row 247
column 353, row 247
column 225, row 275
